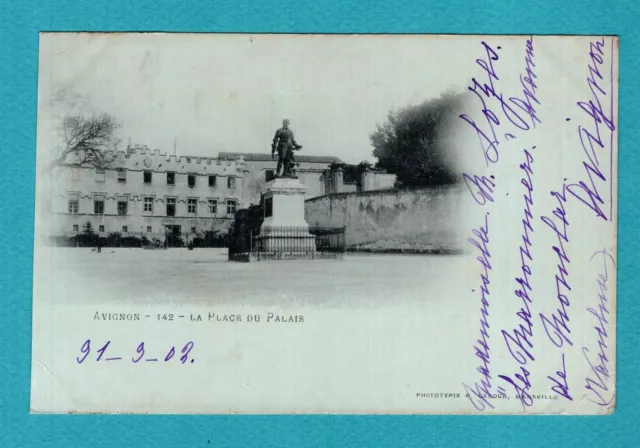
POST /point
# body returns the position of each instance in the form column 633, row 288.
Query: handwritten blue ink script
column 543, row 197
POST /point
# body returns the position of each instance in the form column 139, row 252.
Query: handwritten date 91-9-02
column 140, row 354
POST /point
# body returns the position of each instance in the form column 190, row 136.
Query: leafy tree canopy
column 410, row 143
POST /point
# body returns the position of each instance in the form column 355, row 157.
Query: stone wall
column 377, row 181
column 422, row 220
column 335, row 180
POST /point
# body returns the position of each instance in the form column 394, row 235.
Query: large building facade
column 151, row 194
column 261, row 168
column 146, row 193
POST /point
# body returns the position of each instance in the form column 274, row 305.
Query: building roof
column 264, row 157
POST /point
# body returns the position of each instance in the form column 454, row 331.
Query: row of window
column 192, row 206
column 147, row 178
column 125, row 229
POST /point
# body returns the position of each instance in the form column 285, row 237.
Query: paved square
column 204, row 276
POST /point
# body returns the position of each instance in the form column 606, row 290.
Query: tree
column 88, row 142
column 245, row 226
column 87, row 238
column 410, row 143
column 88, row 228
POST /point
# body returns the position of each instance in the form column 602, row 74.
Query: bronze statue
column 285, row 143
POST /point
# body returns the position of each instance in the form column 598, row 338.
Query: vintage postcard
column 295, row 224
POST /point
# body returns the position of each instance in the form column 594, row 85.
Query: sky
column 210, row 93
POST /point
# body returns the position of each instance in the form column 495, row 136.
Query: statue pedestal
column 284, row 229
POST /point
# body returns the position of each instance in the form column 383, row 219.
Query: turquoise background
column 21, row 22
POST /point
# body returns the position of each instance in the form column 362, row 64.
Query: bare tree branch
column 88, row 142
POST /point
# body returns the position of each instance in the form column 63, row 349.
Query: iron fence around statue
column 329, row 239
column 277, row 241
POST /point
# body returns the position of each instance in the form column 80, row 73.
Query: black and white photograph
column 303, row 224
